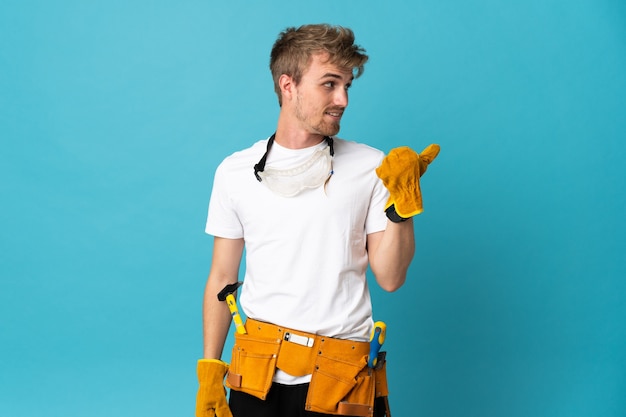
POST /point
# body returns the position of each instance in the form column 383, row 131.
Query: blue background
column 114, row 116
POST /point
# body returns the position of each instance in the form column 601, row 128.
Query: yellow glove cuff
column 213, row 361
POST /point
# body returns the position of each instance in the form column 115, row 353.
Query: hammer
column 227, row 294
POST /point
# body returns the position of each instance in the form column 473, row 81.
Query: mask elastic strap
column 260, row 167
column 329, row 140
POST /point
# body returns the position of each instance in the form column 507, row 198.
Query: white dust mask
column 289, row 182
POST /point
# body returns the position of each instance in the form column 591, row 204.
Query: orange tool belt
column 341, row 381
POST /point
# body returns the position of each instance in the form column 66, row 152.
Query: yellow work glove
column 400, row 172
column 211, row 399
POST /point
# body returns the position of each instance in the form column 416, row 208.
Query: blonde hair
column 293, row 49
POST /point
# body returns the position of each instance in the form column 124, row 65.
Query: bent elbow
column 392, row 285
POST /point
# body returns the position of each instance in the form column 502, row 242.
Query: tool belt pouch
column 346, row 388
column 252, row 364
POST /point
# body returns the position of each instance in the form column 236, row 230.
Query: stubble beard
column 320, row 127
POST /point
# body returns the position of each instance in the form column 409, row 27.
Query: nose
column 341, row 97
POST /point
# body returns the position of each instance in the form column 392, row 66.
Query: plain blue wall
column 114, row 116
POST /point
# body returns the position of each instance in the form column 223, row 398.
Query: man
column 312, row 212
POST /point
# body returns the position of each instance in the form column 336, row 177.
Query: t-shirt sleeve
column 376, row 218
column 222, row 219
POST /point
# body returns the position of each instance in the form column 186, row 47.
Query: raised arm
column 391, row 251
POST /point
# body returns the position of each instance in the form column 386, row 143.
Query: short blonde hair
column 293, row 49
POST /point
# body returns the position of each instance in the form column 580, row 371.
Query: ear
column 286, row 84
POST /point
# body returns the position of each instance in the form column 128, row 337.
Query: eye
column 329, row 84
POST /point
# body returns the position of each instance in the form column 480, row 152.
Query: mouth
column 334, row 114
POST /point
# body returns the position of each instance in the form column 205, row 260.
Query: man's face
column 321, row 96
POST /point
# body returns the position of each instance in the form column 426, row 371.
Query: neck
column 294, row 137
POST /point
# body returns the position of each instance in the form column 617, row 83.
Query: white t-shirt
column 306, row 255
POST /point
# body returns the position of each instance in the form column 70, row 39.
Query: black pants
column 282, row 401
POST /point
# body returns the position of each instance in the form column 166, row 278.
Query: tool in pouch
column 376, row 360
column 228, row 294
column 377, row 339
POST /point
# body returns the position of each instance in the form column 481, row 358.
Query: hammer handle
column 234, row 311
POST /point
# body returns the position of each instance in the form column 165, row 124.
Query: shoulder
column 357, row 151
column 243, row 159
